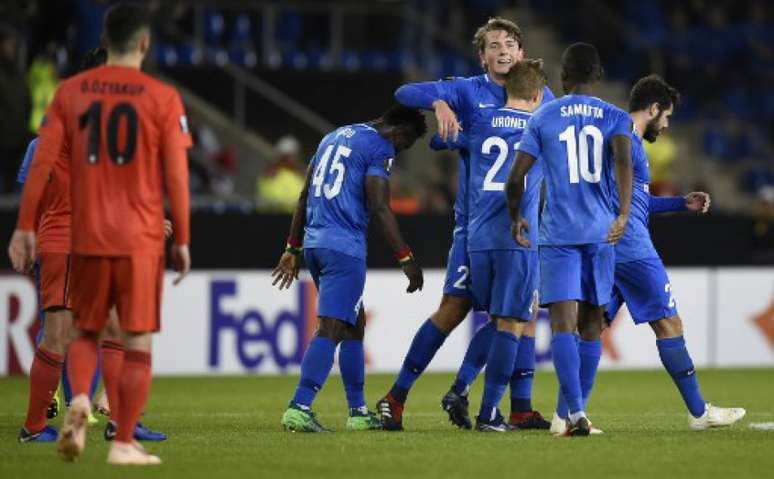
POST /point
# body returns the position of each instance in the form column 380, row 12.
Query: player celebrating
column 126, row 136
column 500, row 46
column 346, row 182
column 574, row 136
column 640, row 278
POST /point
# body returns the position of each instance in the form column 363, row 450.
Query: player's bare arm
column 514, row 190
column 290, row 261
column 378, row 197
column 622, row 155
column 698, row 201
column 448, row 125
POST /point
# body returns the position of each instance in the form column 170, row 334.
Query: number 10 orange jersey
column 127, row 135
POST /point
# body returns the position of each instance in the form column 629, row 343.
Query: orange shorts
column 55, row 279
column 132, row 283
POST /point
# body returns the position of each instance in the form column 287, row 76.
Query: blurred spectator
column 42, row 79
column 662, row 155
column 212, row 166
column 441, row 185
column 402, row 200
column 278, row 187
column 14, row 109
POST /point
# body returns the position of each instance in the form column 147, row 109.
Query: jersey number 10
column 578, row 153
column 337, row 167
column 92, row 119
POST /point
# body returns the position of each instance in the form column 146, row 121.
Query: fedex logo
column 258, row 337
column 18, row 324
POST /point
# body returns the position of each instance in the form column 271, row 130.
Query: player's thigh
column 138, row 283
column 560, row 274
column 457, row 282
column 597, row 273
column 55, row 277
column 481, row 279
column 90, row 291
column 340, row 285
column 514, row 284
column 646, row 289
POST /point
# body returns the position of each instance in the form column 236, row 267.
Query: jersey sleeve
column 51, row 139
column 423, row 94
column 437, row 144
column 175, row 140
column 666, row 204
column 622, row 123
column 530, row 141
column 380, row 162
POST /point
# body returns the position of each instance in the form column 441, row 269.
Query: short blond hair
column 526, row 79
column 494, row 24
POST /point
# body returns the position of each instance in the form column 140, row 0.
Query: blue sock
column 475, row 357
column 426, row 343
column 66, row 390
column 523, row 373
column 95, row 381
column 677, row 361
column 590, row 352
column 561, row 404
column 315, row 368
column 499, row 368
column 564, row 350
column 352, row 366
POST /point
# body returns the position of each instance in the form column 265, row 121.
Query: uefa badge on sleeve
column 388, row 164
column 184, row 124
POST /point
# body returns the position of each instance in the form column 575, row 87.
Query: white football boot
column 72, row 438
column 559, row 427
column 716, row 417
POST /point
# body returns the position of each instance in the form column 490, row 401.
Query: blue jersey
column 336, row 208
column 493, row 137
column 636, row 243
column 571, row 137
column 466, row 96
column 24, row 169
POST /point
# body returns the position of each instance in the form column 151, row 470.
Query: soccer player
column 640, row 278
column 52, row 281
column 347, row 182
column 499, row 43
column 126, row 138
column 574, row 138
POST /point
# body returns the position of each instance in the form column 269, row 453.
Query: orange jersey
column 53, row 227
column 126, row 134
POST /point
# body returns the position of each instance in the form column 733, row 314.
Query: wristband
column 289, row 248
column 295, row 243
column 404, row 255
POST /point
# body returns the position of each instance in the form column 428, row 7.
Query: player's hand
column 286, row 271
column 448, row 125
column 616, row 231
column 698, row 201
column 414, row 274
column 21, row 250
column 519, row 232
column 167, row 229
column 181, row 262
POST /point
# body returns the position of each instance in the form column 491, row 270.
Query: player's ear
column 653, row 109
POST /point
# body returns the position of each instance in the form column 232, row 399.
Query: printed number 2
column 578, row 153
column 92, row 119
column 502, row 148
column 330, row 190
column 668, row 290
column 463, row 279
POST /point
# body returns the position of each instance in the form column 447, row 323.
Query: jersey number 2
column 578, row 153
column 337, row 167
column 92, row 119
column 502, row 154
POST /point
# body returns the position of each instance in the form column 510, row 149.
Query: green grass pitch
column 229, row 427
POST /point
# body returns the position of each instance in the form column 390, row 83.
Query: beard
column 652, row 130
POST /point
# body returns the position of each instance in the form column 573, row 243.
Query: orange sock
column 133, row 391
column 112, row 355
column 81, row 364
column 44, row 378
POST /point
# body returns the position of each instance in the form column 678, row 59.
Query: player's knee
column 333, row 329
column 510, row 325
column 529, row 329
column 670, row 327
column 452, row 311
column 137, row 341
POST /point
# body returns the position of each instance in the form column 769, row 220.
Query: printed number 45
column 337, row 167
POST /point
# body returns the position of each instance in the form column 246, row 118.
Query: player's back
column 574, row 134
column 337, row 210
column 636, row 243
column 494, row 136
column 120, row 124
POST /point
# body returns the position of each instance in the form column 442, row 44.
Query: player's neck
column 129, row 60
column 520, row 104
column 498, row 79
column 640, row 123
column 586, row 89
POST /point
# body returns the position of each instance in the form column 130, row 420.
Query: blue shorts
column 644, row 286
column 340, row 279
column 577, row 273
column 504, row 282
column 457, row 266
